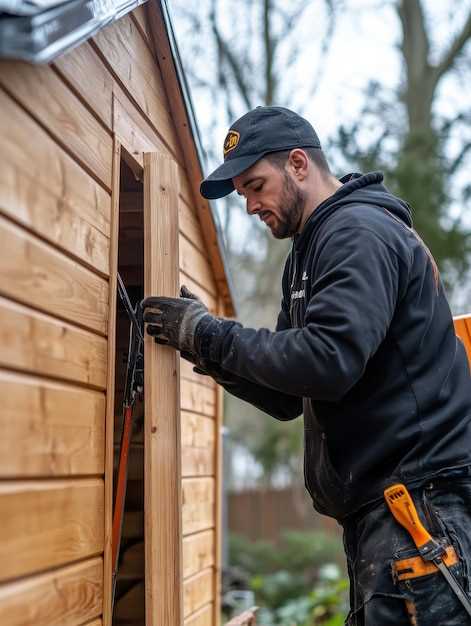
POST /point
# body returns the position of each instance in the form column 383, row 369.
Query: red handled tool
column 133, row 386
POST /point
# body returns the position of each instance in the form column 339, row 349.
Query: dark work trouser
column 385, row 590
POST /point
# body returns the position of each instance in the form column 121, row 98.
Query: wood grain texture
column 197, row 591
column 186, row 371
column 40, row 344
column 85, row 73
column 43, row 94
column 196, row 265
column 65, row 597
column 126, row 55
column 49, row 429
column 163, row 534
column 208, row 298
column 198, row 510
column 43, row 188
column 198, row 552
column 110, row 384
column 37, row 274
column 197, row 398
column 463, row 331
column 49, row 523
column 198, row 445
column 202, row 617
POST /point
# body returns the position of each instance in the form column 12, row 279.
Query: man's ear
column 298, row 163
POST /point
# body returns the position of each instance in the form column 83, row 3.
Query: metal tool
column 403, row 509
column 134, row 385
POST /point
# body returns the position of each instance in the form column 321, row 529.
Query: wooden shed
column 100, row 175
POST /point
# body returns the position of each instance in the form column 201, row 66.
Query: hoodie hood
column 356, row 189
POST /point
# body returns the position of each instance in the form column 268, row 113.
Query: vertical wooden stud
column 110, row 383
column 162, row 447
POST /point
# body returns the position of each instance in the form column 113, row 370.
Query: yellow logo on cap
column 231, row 141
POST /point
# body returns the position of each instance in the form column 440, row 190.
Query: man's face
column 274, row 196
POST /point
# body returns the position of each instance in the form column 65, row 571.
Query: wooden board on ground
column 49, row 523
column 57, row 430
column 68, row 596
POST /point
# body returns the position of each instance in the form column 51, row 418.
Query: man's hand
column 173, row 321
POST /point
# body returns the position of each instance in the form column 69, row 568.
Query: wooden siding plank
column 37, row 274
column 43, row 188
column 39, row 344
column 197, row 591
column 47, row 524
column 140, row 18
column 198, row 444
column 196, row 265
column 208, row 298
column 190, row 227
column 198, row 504
column 163, row 531
column 83, row 70
column 127, row 56
column 65, row 597
column 49, row 429
column 186, row 371
column 197, row 398
column 198, row 552
column 137, row 136
column 44, row 95
column 202, row 617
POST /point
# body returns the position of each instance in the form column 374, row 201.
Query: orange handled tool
column 403, row 509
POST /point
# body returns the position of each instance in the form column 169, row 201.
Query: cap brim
column 219, row 183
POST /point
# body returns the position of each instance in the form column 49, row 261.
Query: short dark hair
column 278, row 159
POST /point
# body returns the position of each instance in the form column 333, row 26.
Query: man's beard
column 291, row 205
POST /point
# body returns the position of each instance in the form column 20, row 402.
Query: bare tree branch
column 226, row 54
column 455, row 49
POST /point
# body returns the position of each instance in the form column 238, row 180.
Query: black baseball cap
column 252, row 136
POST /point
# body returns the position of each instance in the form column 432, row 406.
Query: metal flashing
column 31, row 33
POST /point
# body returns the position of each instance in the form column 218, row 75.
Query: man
column 364, row 347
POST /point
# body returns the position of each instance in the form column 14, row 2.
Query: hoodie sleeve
column 353, row 298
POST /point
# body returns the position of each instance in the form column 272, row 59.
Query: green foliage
column 291, row 581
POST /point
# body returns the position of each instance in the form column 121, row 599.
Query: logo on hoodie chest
column 300, row 293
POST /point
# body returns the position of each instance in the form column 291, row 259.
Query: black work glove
column 173, row 321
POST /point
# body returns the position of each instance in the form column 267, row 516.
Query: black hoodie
column 365, row 347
